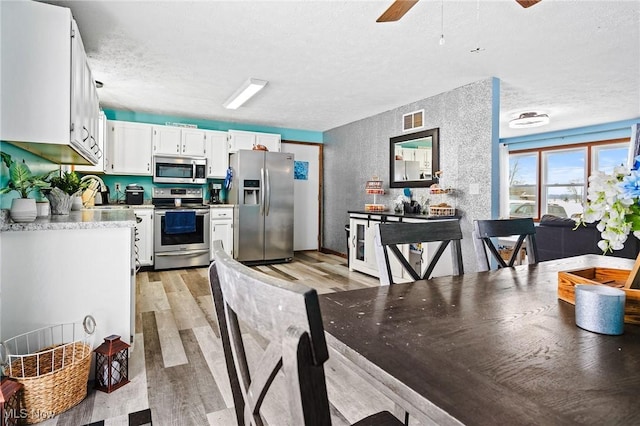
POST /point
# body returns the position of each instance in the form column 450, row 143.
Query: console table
column 362, row 256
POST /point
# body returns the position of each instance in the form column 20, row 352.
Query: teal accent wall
column 147, row 183
column 141, row 117
column 596, row 132
column 36, row 164
column 495, row 147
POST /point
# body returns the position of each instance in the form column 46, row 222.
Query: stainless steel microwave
column 179, row 170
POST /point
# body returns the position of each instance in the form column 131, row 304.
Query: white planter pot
column 43, row 208
column 23, row 210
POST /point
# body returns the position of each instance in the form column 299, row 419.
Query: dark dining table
column 488, row 348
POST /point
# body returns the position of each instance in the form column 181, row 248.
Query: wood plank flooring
column 177, row 368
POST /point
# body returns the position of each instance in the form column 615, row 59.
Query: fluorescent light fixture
column 529, row 119
column 244, row 93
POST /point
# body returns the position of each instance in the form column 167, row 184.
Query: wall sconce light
column 112, row 364
column 244, row 93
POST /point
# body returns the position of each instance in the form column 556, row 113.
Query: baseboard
column 335, row 253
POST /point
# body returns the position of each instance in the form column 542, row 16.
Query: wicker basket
column 441, row 211
column 54, row 377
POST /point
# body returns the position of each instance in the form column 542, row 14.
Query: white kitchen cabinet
column 222, row 228
column 217, row 151
column 101, row 152
column 129, row 148
column 144, row 236
column 169, row 140
column 166, row 140
column 193, row 142
column 79, row 272
column 45, row 107
column 240, row 139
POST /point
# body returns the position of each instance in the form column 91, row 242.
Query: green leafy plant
column 21, row 179
column 68, row 182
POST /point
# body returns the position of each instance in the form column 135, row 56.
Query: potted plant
column 63, row 190
column 21, row 180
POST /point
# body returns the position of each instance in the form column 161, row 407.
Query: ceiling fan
column 399, row 7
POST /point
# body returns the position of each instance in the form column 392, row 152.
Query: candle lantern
column 10, row 400
column 112, row 364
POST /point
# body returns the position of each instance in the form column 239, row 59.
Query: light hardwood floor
column 177, row 368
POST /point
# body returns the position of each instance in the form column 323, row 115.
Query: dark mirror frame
column 435, row 158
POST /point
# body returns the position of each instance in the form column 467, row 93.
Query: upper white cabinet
column 217, row 150
column 101, row 145
column 168, row 140
column 129, row 148
column 193, row 142
column 239, row 139
column 48, row 105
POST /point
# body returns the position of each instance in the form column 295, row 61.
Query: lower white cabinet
column 78, row 272
column 222, row 228
column 362, row 254
column 144, row 236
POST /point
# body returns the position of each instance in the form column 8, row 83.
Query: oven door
column 183, row 242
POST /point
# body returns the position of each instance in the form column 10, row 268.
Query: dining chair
column 390, row 235
column 485, row 230
column 288, row 316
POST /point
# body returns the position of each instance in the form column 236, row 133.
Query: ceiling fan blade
column 397, row 10
column 527, row 3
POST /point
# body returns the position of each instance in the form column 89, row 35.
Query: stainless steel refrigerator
column 262, row 194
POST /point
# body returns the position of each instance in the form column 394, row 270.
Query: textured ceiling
column 329, row 63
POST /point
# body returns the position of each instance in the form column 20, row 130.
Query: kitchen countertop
column 407, row 215
column 78, row 219
column 219, row 206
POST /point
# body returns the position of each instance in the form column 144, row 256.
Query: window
column 554, row 180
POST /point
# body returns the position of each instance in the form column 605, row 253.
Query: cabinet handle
column 178, row 148
column 184, row 148
column 86, row 137
column 148, row 167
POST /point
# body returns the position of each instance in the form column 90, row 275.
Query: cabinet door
column 241, row 140
column 100, row 152
column 217, row 152
column 144, row 236
column 79, row 131
column 166, row 140
column 223, row 230
column 193, row 143
column 270, row 140
column 129, row 148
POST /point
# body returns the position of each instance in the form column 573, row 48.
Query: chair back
column 391, row 234
column 288, row 316
column 485, row 230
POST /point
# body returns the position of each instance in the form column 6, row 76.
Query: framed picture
column 634, row 147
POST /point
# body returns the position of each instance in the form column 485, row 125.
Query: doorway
column 307, row 193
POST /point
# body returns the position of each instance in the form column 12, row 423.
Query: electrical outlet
column 117, row 187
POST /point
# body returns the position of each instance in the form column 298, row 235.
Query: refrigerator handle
column 262, row 189
column 268, row 194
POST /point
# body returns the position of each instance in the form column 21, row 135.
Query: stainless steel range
column 181, row 228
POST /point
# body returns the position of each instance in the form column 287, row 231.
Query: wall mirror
column 414, row 158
